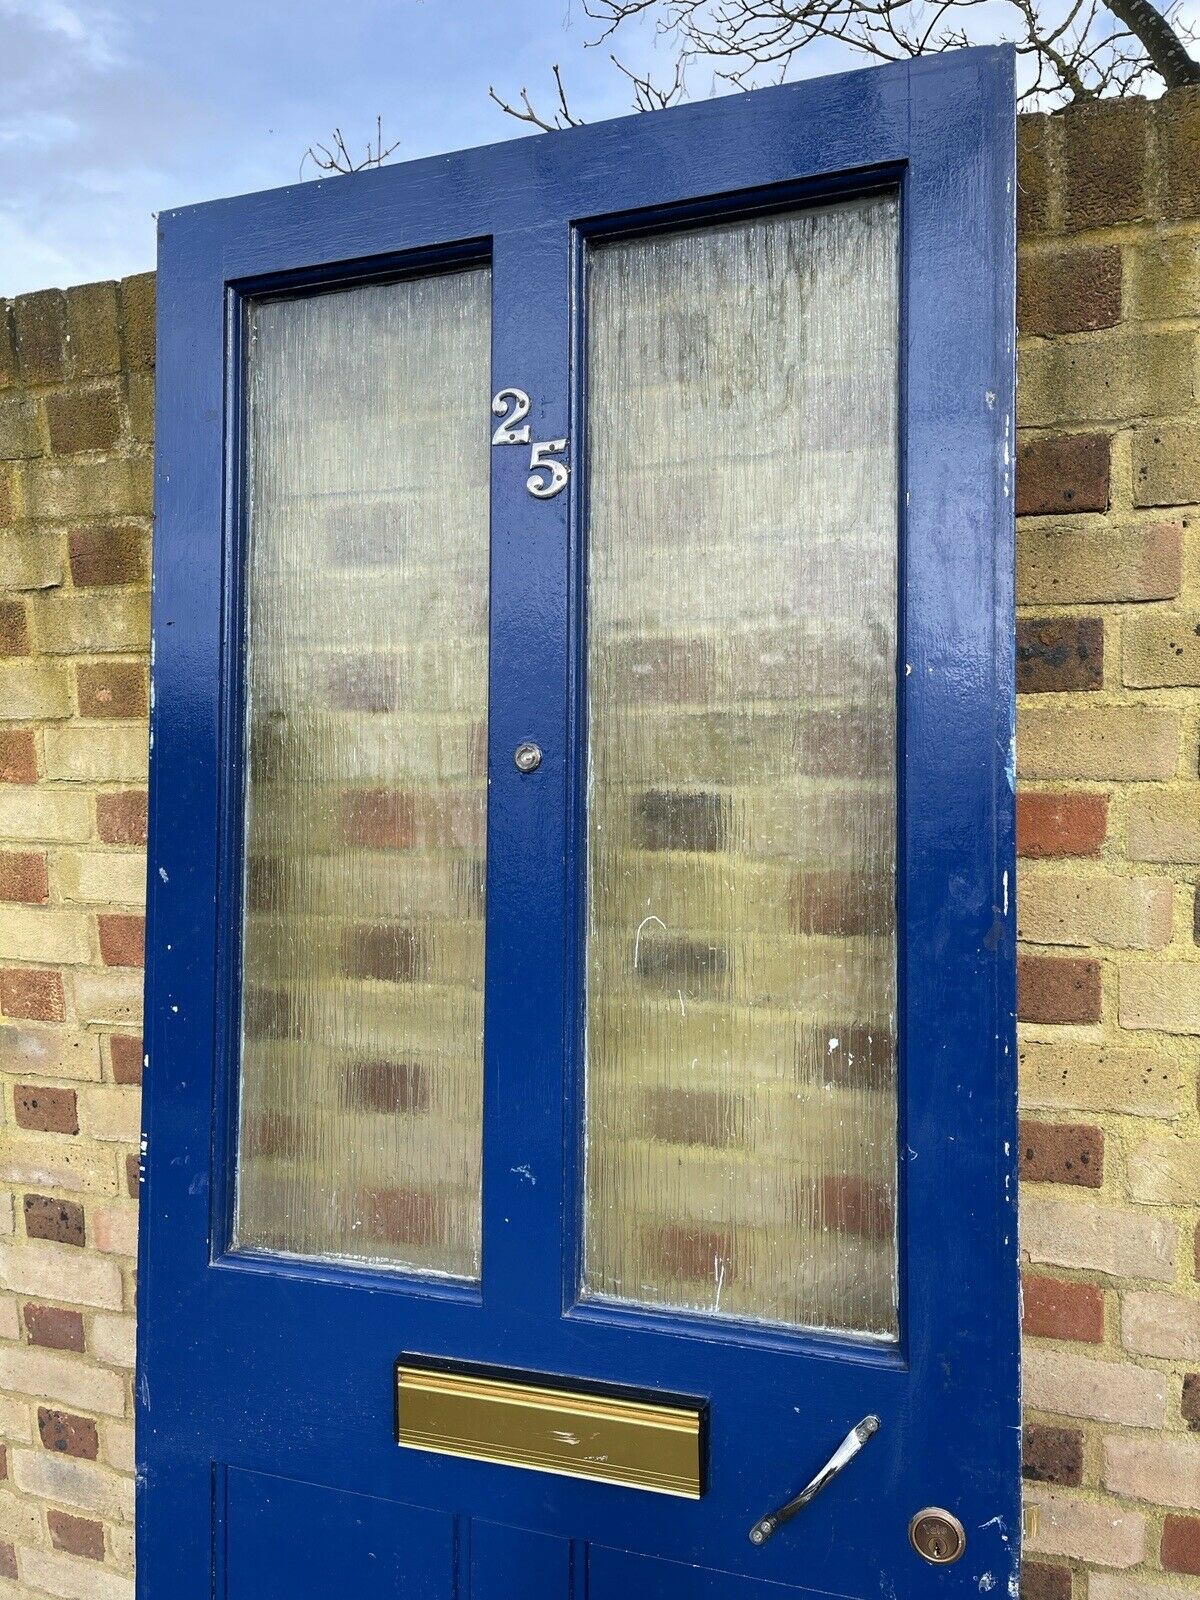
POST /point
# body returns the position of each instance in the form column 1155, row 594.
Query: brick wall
column 1109, row 817
column 76, row 412
column 1108, row 648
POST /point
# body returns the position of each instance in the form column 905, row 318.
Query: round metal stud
column 527, row 757
column 938, row 1536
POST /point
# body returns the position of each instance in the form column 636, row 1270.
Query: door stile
column 527, row 930
column 959, row 1005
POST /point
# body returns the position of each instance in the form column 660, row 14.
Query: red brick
column 54, row 1328
column 1035, row 174
column 1058, row 1152
column 390, row 1086
column 378, row 819
column 1105, row 166
column 121, row 818
column 80, row 1536
column 1058, row 989
column 1190, row 1408
column 390, row 952
column 122, row 939
column 23, row 876
column 112, row 689
column 8, row 1555
column 1040, row 1581
column 1059, row 653
column 1052, row 1455
column 1061, row 824
column 127, row 1053
column 1181, row 1544
column 273, row 1133
column 1069, row 291
column 696, row 1116
column 401, row 1215
column 853, row 1205
column 46, row 1110
column 14, row 634
column 132, row 1176
column 1067, row 472
column 34, row 993
column 18, row 756
column 1055, row 1309
column 841, row 903
column 39, row 324
column 106, row 555
column 68, row 1434
column 690, row 1251
column 59, row 1220
column 82, row 419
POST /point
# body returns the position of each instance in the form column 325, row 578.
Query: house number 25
column 546, row 475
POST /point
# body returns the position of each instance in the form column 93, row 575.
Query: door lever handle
column 841, row 1457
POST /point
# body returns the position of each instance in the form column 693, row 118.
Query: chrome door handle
column 841, row 1457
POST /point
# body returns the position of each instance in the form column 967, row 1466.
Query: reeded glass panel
column 367, row 585
column 741, row 1088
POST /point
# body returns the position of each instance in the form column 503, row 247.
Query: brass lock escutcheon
column 938, row 1536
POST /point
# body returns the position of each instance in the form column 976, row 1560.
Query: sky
column 111, row 110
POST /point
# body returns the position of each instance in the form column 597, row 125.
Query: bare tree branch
column 1160, row 41
column 560, row 117
column 337, row 158
column 1072, row 50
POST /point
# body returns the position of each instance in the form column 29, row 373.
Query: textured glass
column 740, row 1148
column 367, row 584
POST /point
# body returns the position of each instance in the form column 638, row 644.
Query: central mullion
column 524, row 1023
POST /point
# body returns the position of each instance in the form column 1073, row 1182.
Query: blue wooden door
column 580, row 990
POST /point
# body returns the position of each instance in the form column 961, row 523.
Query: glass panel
column 367, row 582
column 741, row 1086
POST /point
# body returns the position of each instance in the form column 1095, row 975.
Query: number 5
column 541, row 460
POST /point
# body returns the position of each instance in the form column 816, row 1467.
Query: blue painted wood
column 285, row 1371
column 509, row 1561
column 281, row 1539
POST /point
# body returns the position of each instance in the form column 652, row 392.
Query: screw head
column 527, row 757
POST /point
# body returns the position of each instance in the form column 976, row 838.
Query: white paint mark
column 719, row 1272
column 523, row 1172
column 988, row 1581
column 833, row 1044
column 162, row 872
column 637, row 942
column 565, row 1437
column 682, row 1007
column 1005, row 882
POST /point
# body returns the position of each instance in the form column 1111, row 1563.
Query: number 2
column 508, row 432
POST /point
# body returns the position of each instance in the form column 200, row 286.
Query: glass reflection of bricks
column 368, row 659
column 741, row 1112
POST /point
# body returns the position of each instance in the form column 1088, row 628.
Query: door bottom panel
column 286, row 1540
column 622, row 1575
